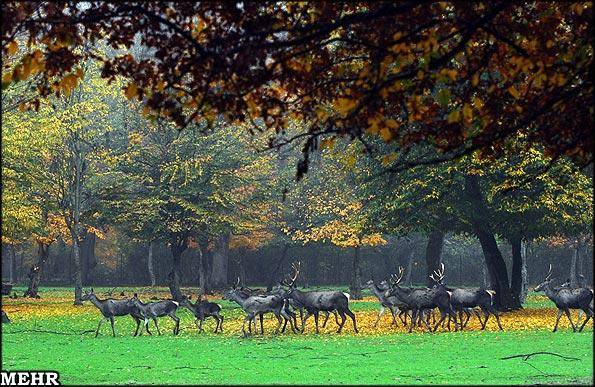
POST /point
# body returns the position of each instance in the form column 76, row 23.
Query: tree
column 460, row 77
column 332, row 212
column 51, row 159
column 184, row 188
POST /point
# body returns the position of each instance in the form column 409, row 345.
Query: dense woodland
column 164, row 151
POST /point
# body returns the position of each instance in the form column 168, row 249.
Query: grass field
column 48, row 334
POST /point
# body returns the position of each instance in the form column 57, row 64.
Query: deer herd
column 454, row 305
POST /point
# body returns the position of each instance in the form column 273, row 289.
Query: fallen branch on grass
column 527, row 356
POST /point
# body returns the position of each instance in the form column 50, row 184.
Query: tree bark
column 492, row 255
column 78, row 278
column 355, row 288
column 434, row 254
column 516, row 280
column 150, row 264
column 219, row 274
column 178, row 246
column 88, row 258
column 274, row 275
column 203, row 271
column 524, row 279
column 43, row 251
column 13, row 265
column 573, row 266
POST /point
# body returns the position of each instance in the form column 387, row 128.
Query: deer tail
column 176, row 302
column 347, row 295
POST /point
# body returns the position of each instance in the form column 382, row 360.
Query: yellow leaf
column 514, row 92
column 386, row 134
column 12, row 47
column 475, row 79
column 454, row 116
column 345, row 105
column 467, row 112
column 477, row 102
column 131, row 91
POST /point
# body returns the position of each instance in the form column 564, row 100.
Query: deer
column 315, row 302
column 278, row 289
column 255, row 305
column 286, row 312
column 465, row 300
column 391, row 302
column 202, row 309
column 566, row 299
column 421, row 300
column 111, row 308
column 152, row 310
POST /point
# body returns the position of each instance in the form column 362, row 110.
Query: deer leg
column 588, row 315
column 412, row 320
column 403, row 319
column 567, row 312
column 111, row 320
column 461, row 318
column 343, row 319
column 560, row 311
column 202, row 320
column 261, row 325
column 352, row 317
column 177, row 321
column 137, row 321
column 279, row 322
column 326, row 318
column 156, row 325
column 497, row 317
column 316, row 320
column 247, row 318
column 442, row 318
column 380, row 313
column 468, row 316
column 99, row 326
column 393, row 311
column 304, row 319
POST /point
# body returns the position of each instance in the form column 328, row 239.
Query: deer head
column 87, row 295
column 542, row 286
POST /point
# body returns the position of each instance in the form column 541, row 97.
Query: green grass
column 190, row 358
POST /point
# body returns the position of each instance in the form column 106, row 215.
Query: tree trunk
column 524, row 280
column 494, row 261
column 13, row 265
column 355, row 288
column 516, row 280
column 219, row 274
column 78, row 278
column 485, row 275
column 274, row 275
column 36, row 270
column 204, row 283
column 178, row 246
column 573, row 266
column 242, row 266
column 88, row 258
column 150, row 264
column 434, row 254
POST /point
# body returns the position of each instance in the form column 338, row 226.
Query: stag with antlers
column 465, row 300
column 319, row 301
column 566, row 299
column 421, row 300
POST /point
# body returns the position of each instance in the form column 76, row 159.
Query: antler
column 439, row 274
column 296, row 270
column 395, row 279
column 549, row 273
